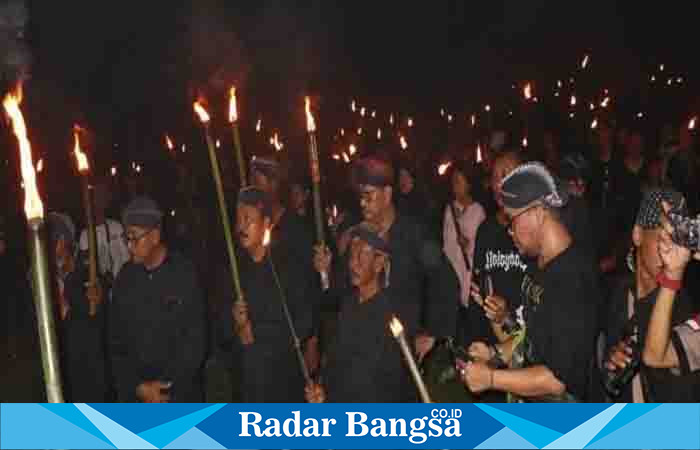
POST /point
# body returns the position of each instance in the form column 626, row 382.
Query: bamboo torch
column 93, row 281
column 223, row 210
column 34, row 211
column 233, row 119
column 398, row 332
column 316, row 184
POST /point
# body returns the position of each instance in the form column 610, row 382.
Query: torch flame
column 449, row 118
column 404, row 144
column 473, row 119
column 232, row 108
column 605, row 102
column 169, row 142
column 336, row 156
column 391, row 119
column 266, row 237
column 33, row 208
column 362, row 111
column 83, row 165
column 352, row 149
column 114, row 171
column 584, row 63
column 410, row 122
column 40, row 166
column 218, row 143
column 396, row 327
column 379, row 134
column 594, row 124
column 525, row 141
column 479, row 158
column 310, row 123
column 258, row 125
column 374, row 114
column 201, row 112
column 527, row 91
column 572, row 102
column 352, row 106
column 442, row 168
column 359, row 131
column 346, row 158
column 691, row 124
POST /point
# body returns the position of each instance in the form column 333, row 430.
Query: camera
column 686, row 230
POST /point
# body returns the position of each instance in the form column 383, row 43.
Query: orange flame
column 218, row 143
column 442, row 168
column 40, row 166
column 33, row 208
column 352, row 149
column 362, row 111
column 310, row 122
column 584, row 63
column 266, row 237
column 661, row 68
column 346, row 158
column 352, row 106
column 80, row 156
column 336, row 156
column 396, row 327
column 605, row 102
column 572, row 102
column 359, row 131
column 391, row 119
column 527, row 91
column 374, row 114
column 201, row 112
column 169, row 142
column 232, row 108
column 479, row 158
column 525, row 141
column 404, row 144
column 691, row 124
column 594, row 124
column 342, row 131
column 379, row 134
column 473, row 119
column 258, row 125
column 410, row 122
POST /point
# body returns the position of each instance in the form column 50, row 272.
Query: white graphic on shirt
column 505, row 261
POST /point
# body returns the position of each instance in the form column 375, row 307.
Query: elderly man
column 549, row 355
column 157, row 317
column 365, row 362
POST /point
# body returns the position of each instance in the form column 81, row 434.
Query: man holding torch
column 267, row 331
column 365, row 362
column 157, row 319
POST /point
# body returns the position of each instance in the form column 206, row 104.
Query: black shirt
column 158, row 329
column 561, row 307
column 660, row 385
column 270, row 370
column 365, row 362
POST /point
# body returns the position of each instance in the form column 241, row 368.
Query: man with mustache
column 261, row 339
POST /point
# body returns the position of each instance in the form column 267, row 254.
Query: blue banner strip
column 341, row 426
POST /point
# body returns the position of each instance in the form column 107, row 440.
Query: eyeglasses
column 135, row 239
column 511, row 224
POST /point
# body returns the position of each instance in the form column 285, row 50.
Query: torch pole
column 92, row 239
column 224, row 215
column 413, row 367
column 239, row 155
column 44, row 311
column 318, row 207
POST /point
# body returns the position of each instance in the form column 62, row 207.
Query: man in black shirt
column 264, row 347
column 157, row 318
column 495, row 256
column 634, row 300
column 551, row 352
column 423, row 287
column 365, row 362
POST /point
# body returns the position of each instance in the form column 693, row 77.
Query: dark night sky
column 130, row 70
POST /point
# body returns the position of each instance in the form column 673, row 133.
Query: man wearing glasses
column 157, row 319
column 549, row 357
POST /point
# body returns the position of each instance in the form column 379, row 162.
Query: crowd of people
column 547, row 276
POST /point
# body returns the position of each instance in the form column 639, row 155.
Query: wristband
column 664, row 281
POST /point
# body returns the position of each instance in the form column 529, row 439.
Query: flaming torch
column 398, row 332
column 203, row 115
column 527, row 91
column 169, row 143
column 233, row 118
column 316, row 184
column 93, row 285
column 34, row 211
column 691, row 124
